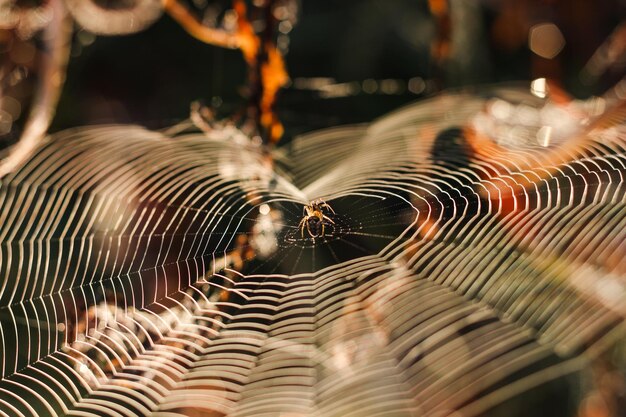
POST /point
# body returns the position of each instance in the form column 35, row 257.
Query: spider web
column 473, row 257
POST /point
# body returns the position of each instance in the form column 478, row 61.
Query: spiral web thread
column 122, row 291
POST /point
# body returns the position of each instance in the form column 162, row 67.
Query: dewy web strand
column 463, row 263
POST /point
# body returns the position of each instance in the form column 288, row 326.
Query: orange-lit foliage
column 441, row 45
column 273, row 77
column 272, row 71
column 264, row 60
column 247, row 40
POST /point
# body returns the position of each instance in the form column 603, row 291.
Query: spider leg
column 326, row 205
column 301, row 226
column 325, row 217
column 308, row 228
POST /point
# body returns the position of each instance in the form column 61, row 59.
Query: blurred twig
column 199, row 31
column 56, row 37
column 611, row 54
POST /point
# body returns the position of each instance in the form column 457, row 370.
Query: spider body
column 314, row 219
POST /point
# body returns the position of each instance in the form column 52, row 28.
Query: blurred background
column 349, row 61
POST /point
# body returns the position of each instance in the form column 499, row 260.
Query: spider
column 314, row 218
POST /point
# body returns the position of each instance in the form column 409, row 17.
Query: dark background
column 151, row 77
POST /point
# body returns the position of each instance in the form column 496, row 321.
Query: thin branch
column 196, row 29
column 56, row 37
